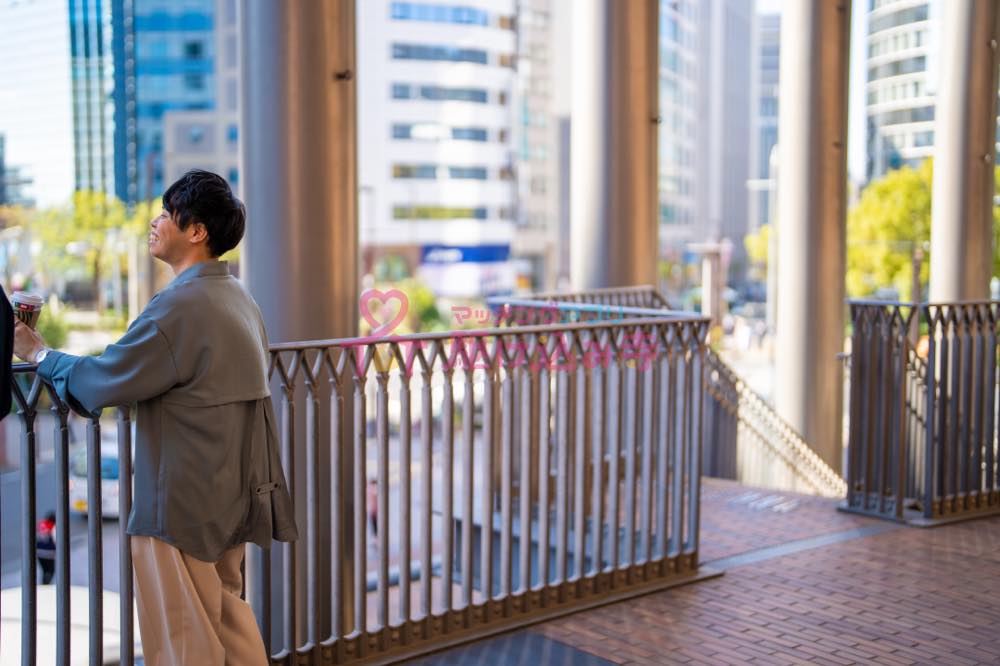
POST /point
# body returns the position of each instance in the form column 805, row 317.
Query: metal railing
column 923, row 441
column 31, row 395
column 745, row 438
column 515, row 473
column 748, row 441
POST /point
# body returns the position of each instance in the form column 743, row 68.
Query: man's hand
column 27, row 342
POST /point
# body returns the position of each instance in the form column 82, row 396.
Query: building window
column 434, row 13
column 923, row 138
column 196, row 135
column 918, row 115
column 467, row 173
column 440, row 93
column 438, row 213
column 508, row 60
column 897, row 67
column 438, row 53
column 903, row 16
column 194, row 81
column 193, row 50
column 422, row 171
column 436, row 132
column 469, row 133
column 234, row 177
column 233, row 133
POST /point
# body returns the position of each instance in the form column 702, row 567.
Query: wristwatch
column 40, row 355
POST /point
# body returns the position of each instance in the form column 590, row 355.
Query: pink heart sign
column 380, row 328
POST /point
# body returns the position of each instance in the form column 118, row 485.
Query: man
column 207, row 474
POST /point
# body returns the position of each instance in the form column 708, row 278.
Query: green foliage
column 53, row 328
column 756, row 245
column 891, row 220
column 83, row 238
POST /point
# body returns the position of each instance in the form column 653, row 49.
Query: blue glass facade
column 420, row 11
column 92, row 72
column 174, row 69
column 132, row 61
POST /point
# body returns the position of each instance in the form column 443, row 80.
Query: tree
column 756, row 245
column 82, row 237
column 891, row 220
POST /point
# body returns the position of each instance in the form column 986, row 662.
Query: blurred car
column 79, row 631
column 78, row 500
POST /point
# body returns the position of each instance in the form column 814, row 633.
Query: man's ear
column 200, row 233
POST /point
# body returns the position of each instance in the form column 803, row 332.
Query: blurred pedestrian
column 45, row 547
column 371, row 504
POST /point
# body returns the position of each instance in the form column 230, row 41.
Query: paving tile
column 895, row 597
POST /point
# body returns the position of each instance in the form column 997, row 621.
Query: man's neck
column 186, row 263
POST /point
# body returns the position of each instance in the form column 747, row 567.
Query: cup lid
column 28, row 298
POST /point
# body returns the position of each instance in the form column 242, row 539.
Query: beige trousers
column 190, row 612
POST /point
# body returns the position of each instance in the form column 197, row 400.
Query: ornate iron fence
column 31, row 397
column 923, row 412
column 745, row 438
column 447, row 486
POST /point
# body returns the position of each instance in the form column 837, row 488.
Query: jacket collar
column 203, row 269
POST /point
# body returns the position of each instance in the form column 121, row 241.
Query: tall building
column 36, row 117
column 705, row 113
column 210, row 139
column 899, row 89
column 435, row 146
column 537, row 147
column 133, row 61
column 12, row 182
column 92, row 64
column 764, row 132
column 174, row 56
column 679, row 120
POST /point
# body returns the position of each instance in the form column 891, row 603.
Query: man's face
column 167, row 242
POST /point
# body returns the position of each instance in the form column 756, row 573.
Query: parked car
column 78, row 500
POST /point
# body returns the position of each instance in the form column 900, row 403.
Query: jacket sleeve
column 137, row 367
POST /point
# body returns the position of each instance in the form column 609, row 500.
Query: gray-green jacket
column 207, row 472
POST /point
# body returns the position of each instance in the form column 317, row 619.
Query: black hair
column 205, row 197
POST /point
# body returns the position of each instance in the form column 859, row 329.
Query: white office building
column 900, row 83
column 436, row 169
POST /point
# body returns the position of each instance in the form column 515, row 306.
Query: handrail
column 923, row 431
column 729, row 453
column 517, row 472
column 781, row 438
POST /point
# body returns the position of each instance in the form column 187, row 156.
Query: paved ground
column 806, row 584
column 866, row 592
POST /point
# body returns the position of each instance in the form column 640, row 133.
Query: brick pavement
column 902, row 596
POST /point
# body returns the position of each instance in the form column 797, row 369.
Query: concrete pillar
column 614, row 200
column 711, row 291
column 964, row 146
column 299, row 166
column 299, row 172
column 812, row 207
